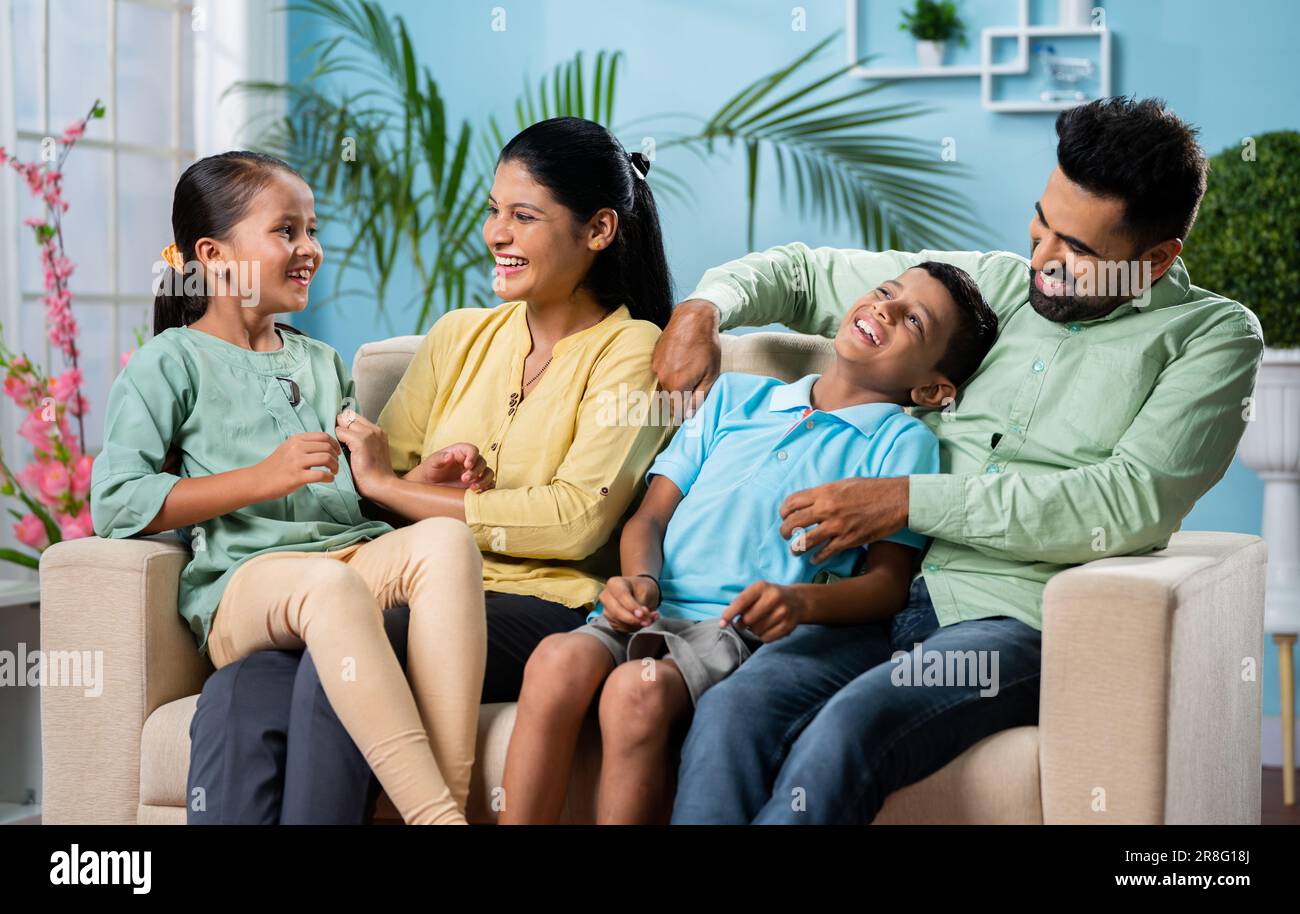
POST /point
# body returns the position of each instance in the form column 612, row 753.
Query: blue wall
column 1225, row 67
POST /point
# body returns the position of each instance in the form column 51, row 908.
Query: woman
column 521, row 392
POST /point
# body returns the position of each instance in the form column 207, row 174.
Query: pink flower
column 73, row 132
column 126, row 357
column 78, row 526
column 36, row 430
column 18, row 389
column 53, row 482
column 34, row 221
column 31, row 532
column 66, row 385
column 81, row 476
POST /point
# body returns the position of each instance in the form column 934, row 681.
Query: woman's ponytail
column 641, row 263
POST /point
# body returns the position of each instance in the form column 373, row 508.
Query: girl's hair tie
column 172, row 254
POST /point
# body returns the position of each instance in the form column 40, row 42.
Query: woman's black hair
column 211, row 197
column 586, row 169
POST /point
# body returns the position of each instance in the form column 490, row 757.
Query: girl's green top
column 224, row 407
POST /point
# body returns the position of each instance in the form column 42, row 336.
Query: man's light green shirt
column 1072, row 442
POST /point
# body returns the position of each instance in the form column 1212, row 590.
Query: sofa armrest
column 1150, row 705
column 116, row 597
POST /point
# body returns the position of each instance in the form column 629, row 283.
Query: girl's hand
column 367, row 451
column 458, row 465
column 291, row 465
column 630, row 602
column 771, row 611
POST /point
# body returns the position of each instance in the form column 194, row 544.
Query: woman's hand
column 291, row 465
column 770, row 611
column 630, row 602
column 459, row 465
column 368, row 453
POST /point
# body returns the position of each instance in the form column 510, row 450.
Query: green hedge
column 1246, row 241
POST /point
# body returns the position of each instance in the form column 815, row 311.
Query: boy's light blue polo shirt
column 753, row 442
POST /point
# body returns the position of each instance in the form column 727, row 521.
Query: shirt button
column 932, row 567
column 993, row 468
column 1039, row 364
column 809, row 424
column 1074, row 328
column 494, row 446
column 510, row 411
column 1016, row 429
column 604, row 490
column 781, row 455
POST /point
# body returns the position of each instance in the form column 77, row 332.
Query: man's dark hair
column 1141, row 153
column 976, row 328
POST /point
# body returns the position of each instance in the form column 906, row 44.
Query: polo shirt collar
column 865, row 417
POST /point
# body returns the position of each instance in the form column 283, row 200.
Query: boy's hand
column 459, row 465
column 293, row 464
column 630, row 602
column 845, row 514
column 770, row 611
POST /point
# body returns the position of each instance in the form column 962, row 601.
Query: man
column 1112, row 400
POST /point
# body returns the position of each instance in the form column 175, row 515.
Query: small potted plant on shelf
column 933, row 23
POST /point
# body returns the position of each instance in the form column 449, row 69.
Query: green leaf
column 20, row 558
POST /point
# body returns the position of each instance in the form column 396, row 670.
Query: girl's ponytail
column 211, row 198
column 171, row 308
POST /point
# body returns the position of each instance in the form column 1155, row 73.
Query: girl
column 282, row 556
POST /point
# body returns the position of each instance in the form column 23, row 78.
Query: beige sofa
column 1145, row 715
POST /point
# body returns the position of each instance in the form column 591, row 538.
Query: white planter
column 1271, row 447
column 1074, row 14
column 930, row 53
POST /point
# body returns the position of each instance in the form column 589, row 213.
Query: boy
column 707, row 577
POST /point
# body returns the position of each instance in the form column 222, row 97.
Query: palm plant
column 384, row 160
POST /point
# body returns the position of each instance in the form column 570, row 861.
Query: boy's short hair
column 977, row 325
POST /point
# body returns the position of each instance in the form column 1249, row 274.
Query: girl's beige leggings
column 418, row 738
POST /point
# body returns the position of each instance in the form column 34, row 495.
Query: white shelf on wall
column 1022, row 35
column 986, row 69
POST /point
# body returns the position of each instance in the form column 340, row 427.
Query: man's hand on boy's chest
column 844, row 515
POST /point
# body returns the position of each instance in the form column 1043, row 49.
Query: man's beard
column 1067, row 308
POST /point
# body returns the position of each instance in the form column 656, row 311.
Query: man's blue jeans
column 820, row 727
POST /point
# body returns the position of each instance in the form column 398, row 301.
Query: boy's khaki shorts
column 705, row 652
